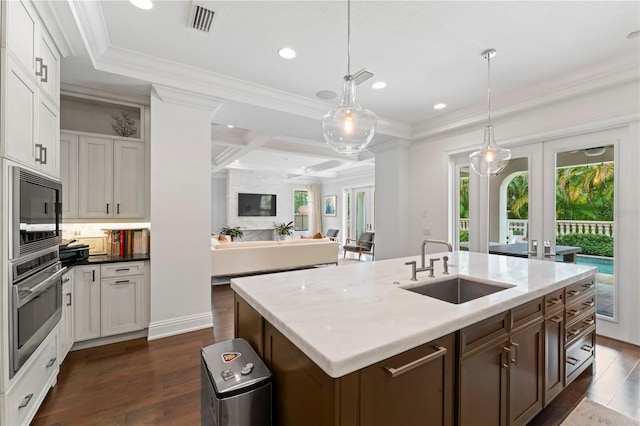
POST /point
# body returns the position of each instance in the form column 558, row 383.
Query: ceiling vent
column 201, row 18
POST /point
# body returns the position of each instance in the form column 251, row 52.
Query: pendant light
column 491, row 159
column 349, row 128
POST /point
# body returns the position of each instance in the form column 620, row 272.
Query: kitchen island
column 326, row 327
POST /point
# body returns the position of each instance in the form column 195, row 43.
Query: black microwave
column 36, row 212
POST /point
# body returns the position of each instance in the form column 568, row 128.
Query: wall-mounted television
column 256, row 204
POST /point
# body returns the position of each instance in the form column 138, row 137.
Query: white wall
column 180, row 213
column 616, row 106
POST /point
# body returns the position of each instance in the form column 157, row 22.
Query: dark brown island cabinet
column 500, row 371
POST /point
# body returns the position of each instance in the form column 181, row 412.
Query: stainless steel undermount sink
column 457, row 290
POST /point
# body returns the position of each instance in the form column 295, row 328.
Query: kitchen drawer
column 554, row 301
column 579, row 290
column 119, row 269
column 579, row 328
column 527, row 313
column 40, row 371
column 579, row 309
column 579, row 356
column 484, row 332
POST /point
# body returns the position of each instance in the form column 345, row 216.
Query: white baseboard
column 171, row 327
column 85, row 344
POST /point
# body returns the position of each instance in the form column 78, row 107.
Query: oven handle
column 29, row 293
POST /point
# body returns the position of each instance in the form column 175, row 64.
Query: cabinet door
column 86, row 307
column 122, row 305
column 128, row 179
column 306, row 395
column 554, row 351
column 69, row 175
column 49, row 78
column 22, row 34
column 483, row 387
column 48, row 135
column 525, row 374
column 95, row 177
column 20, row 119
column 422, row 395
column 65, row 339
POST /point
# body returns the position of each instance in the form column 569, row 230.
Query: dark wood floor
column 158, row 382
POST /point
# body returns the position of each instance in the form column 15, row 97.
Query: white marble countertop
column 348, row 317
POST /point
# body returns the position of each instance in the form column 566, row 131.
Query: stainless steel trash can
column 235, row 386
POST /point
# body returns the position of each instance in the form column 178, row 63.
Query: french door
column 360, row 214
column 555, row 201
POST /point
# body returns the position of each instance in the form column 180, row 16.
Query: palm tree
column 518, row 197
column 585, row 192
column 464, row 197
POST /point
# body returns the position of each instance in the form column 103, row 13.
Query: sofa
column 238, row 258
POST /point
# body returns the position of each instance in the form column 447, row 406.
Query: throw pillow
column 317, row 236
column 223, row 239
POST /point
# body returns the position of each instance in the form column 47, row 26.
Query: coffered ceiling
column 427, row 52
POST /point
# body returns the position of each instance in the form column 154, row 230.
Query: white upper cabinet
column 30, row 90
column 111, row 178
column 69, row 175
column 22, row 32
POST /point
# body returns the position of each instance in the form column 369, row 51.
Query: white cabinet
column 30, row 90
column 86, row 307
column 69, row 175
column 110, row 299
column 111, row 178
column 66, row 335
column 122, row 305
column 32, row 383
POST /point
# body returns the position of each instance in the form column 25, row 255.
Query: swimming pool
column 604, row 264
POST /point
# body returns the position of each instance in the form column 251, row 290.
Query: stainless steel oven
column 36, row 212
column 35, row 303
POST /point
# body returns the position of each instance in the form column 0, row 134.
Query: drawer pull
column 574, row 331
column 571, row 360
column 574, row 292
column 588, row 285
column 122, row 269
column 69, row 301
column 395, row 372
column 557, row 320
column 51, row 362
column 573, row 312
column 587, row 348
column 122, row 282
column 554, row 301
column 590, row 304
column 65, row 280
column 589, row 321
column 25, row 401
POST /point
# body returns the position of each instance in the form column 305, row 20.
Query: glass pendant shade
column 349, row 128
column 490, row 159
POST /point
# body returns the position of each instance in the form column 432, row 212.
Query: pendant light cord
column 349, row 38
column 489, row 89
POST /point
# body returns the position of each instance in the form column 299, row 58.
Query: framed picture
column 330, row 205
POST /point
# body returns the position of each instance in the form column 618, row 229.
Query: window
column 300, row 210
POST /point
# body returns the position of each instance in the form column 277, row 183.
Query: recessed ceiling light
column 379, row 85
column 231, row 126
column 142, row 4
column 287, row 53
column 633, row 34
column 439, row 106
column 326, row 94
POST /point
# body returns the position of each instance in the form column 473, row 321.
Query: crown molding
column 186, row 98
column 91, row 24
column 76, row 89
column 600, row 77
column 390, row 145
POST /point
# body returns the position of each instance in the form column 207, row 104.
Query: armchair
column 364, row 244
column 332, row 234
